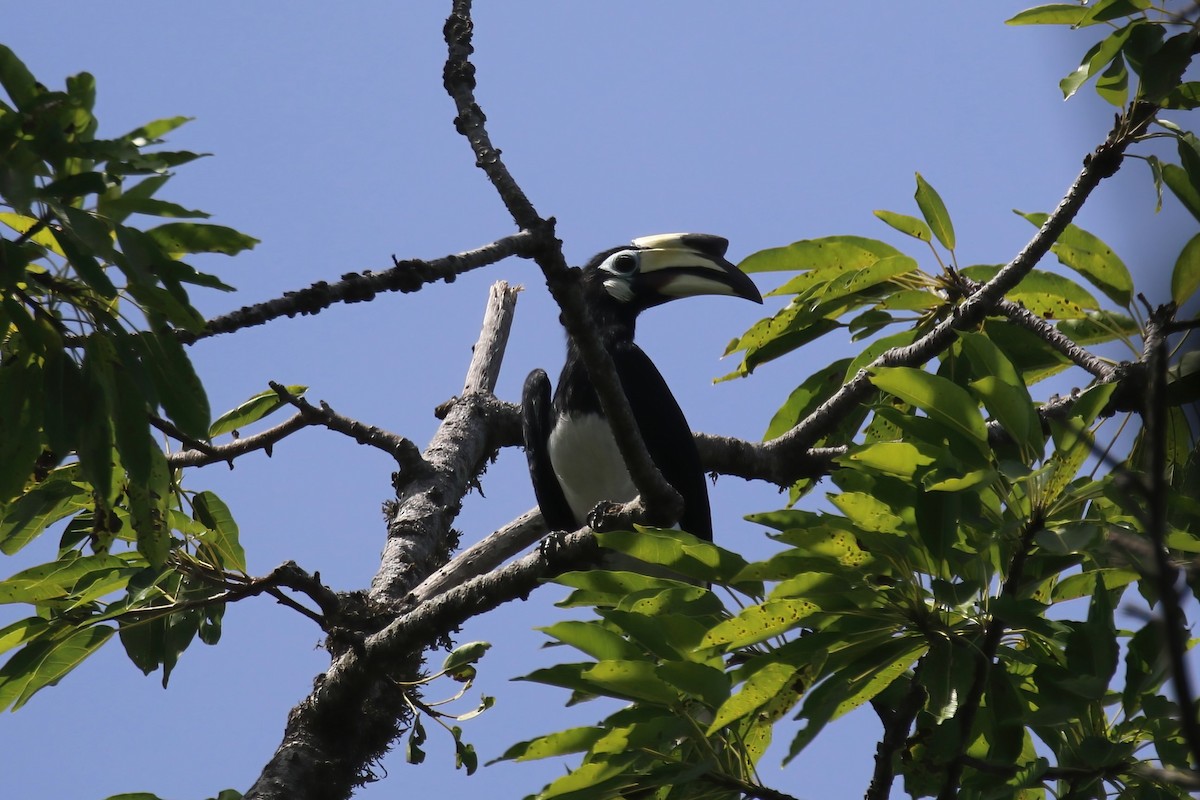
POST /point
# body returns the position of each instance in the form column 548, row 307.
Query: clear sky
column 333, row 143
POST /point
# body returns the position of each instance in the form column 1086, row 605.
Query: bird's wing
column 667, row 435
column 537, row 417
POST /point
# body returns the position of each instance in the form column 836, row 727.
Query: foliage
column 83, row 380
column 962, row 575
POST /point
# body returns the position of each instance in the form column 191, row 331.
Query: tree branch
column 483, row 556
column 357, row 707
column 357, row 287
column 399, row 448
column 264, row 440
column 659, row 501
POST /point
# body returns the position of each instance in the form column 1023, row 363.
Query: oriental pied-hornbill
column 573, row 457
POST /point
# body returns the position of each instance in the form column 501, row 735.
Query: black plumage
column 573, row 460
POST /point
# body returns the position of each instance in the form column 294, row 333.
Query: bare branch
column 483, row 556
column 263, row 440
column 357, row 287
column 419, row 521
column 399, row 448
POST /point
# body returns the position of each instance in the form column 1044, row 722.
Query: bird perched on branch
column 573, row 458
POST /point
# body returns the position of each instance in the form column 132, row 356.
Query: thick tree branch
column 483, row 556
column 420, row 519
column 356, row 287
column 357, row 708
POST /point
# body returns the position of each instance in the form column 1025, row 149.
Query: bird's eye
column 624, row 263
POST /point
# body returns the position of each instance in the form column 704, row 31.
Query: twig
column 356, row 287
column 897, row 723
column 264, row 440
column 746, row 789
column 170, row 430
column 288, row 575
column 399, row 448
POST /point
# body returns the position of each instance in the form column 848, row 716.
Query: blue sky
column 333, row 143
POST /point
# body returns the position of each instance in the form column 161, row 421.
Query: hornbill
column 573, row 458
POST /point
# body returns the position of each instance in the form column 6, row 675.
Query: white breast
column 588, row 464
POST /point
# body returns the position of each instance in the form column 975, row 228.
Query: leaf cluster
column 90, row 363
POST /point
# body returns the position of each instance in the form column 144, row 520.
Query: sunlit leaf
column 1091, row 258
column 46, row 662
column 935, row 213
column 1050, row 14
column 938, row 397
column 252, row 410
column 906, row 224
column 1185, row 277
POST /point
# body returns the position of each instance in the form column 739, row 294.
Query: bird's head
column 655, row 269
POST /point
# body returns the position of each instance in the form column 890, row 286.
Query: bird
column 572, row 456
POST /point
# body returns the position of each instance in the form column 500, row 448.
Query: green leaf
column 934, row 211
column 1163, row 69
column 708, row 684
column 252, row 410
column 17, row 80
column 1185, row 277
column 45, row 663
column 23, row 631
column 826, row 257
column 572, row 740
column 58, row 496
column 1108, row 10
column 1091, row 258
column 213, row 514
column 44, row 237
column 806, row 397
column 148, row 499
column 594, row 639
column 855, row 684
column 463, row 655
column 1185, row 97
column 1096, row 58
column 178, row 238
column 1183, row 187
column 910, row 226
column 1003, row 392
column 152, row 132
column 1050, row 14
column 180, row 390
column 901, row 459
column 55, row 579
column 678, row 550
column 759, row 689
column 626, row 680
column 1113, row 83
column 938, row 397
column 758, row 623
